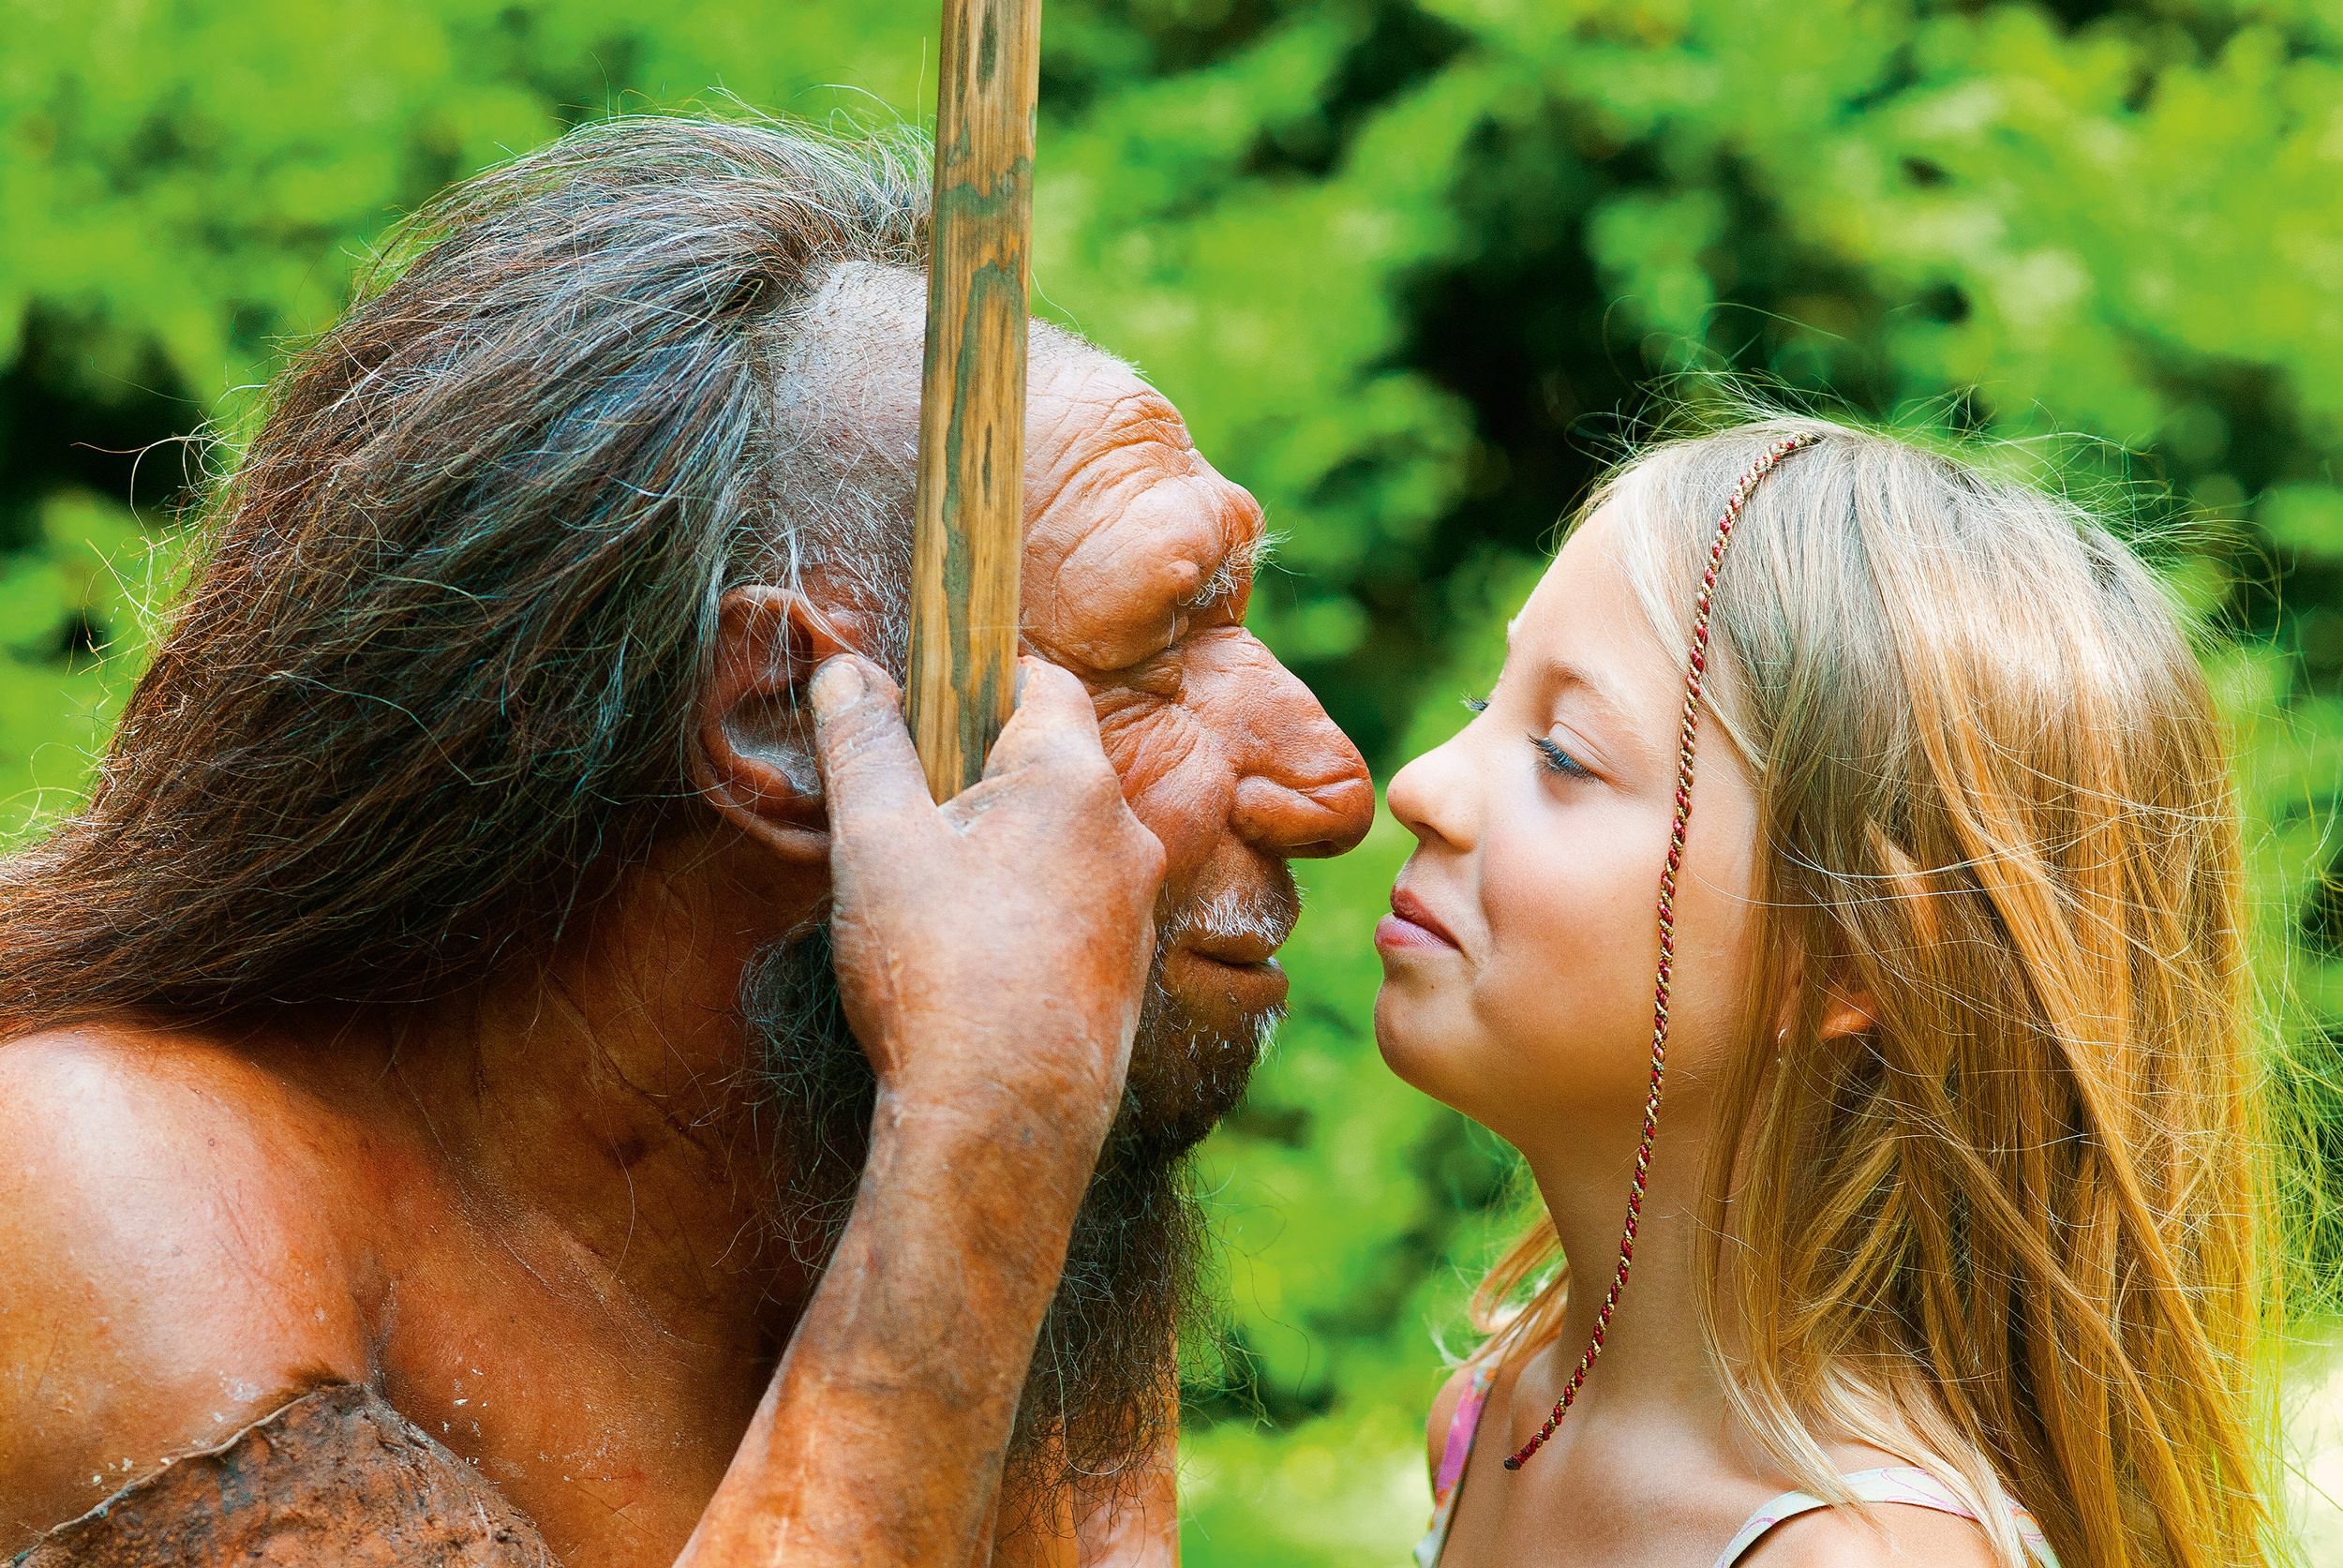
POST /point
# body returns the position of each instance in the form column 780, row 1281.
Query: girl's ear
column 1849, row 1009
column 1848, row 1013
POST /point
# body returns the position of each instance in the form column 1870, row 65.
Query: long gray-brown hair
column 432, row 673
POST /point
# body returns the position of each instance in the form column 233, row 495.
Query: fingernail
column 837, row 685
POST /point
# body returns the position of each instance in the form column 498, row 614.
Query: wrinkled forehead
column 857, row 341
column 1130, row 534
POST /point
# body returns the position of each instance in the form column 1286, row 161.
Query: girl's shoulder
column 1902, row 1513
column 1841, row 1538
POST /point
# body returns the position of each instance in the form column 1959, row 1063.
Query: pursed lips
column 1409, row 924
column 1239, row 966
column 1245, row 958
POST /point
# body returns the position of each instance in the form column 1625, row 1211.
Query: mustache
column 1263, row 915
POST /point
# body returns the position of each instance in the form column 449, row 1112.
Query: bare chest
column 608, row 1427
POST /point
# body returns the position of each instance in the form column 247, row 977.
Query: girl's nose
column 1428, row 800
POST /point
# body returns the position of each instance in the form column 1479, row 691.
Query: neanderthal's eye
column 1479, row 705
column 1557, row 760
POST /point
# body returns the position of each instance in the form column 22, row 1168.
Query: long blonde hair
column 2012, row 1232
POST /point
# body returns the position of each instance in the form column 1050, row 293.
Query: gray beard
column 1094, row 1404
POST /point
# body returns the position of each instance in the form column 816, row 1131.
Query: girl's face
column 1519, row 960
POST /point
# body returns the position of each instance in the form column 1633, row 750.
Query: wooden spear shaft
column 968, row 539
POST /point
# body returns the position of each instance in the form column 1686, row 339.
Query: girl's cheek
column 1567, row 990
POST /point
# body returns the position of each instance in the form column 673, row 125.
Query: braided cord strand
column 1696, row 671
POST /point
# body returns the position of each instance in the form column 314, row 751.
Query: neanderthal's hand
column 1003, row 938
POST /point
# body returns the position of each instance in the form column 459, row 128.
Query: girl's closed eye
column 1557, row 760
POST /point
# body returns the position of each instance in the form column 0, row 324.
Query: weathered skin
column 529, row 1217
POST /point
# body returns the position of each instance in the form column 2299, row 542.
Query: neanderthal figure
column 462, row 1101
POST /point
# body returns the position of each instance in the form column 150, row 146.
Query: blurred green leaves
column 81, row 599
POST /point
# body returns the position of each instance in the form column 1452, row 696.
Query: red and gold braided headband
column 1696, row 665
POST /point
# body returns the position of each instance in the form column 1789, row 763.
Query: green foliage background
column 1405, row 264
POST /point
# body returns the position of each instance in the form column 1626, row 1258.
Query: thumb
column 870, row 771
column 1052, row 711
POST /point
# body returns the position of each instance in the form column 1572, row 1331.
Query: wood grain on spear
column 968, row 539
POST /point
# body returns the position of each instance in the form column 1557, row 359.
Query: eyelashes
column 1557, row 760
column 1553, row 759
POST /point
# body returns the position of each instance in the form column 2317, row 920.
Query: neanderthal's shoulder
column 136, row 1098
column 169, row 1260
column 155, row 1169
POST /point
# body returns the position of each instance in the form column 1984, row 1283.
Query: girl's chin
column 1416, row 1056
column 1487, row 1078
column 1440, row 1076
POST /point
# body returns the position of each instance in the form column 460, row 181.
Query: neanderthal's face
column 1138, row 566
column 1139, row 562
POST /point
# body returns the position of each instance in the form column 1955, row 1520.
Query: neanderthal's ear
column 754, row 760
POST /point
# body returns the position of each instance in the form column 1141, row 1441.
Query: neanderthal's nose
column 1304, row 792
column 1329, row 818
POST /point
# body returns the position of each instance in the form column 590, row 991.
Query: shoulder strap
column 1455, row 1451
column 1905, row 1484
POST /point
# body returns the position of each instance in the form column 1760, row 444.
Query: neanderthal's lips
column 1254, row 986
column 1243, row 954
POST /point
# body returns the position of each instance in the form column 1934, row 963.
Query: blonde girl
column 1947, row 1252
